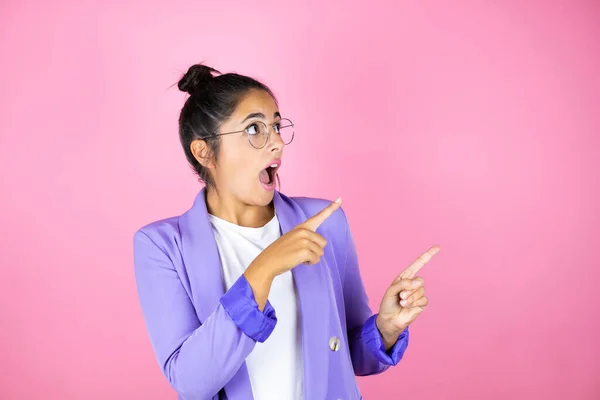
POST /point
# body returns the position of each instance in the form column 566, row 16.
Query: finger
column 315, row 248
column 421, row 302
column 423, row 259
column 313, row 237
column 406, row 297
column 315, row 221
column 395, row 288
column 405, row 294
column 409, row 286
column 310, row 257
column 314, row 258
column 416, row 295
column 311, row 253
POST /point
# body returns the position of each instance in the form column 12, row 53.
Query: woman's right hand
column 300, row 245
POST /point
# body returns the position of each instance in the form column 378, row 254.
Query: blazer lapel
column 200, row 253
column 311, row 285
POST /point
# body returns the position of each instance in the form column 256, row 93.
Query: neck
column 229, row 208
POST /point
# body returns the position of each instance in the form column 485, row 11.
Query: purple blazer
column 201, row 334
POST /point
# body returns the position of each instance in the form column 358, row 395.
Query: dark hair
column 212, row 101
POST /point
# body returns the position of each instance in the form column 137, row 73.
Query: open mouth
column 267, row 176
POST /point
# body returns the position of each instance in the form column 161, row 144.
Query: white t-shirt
column 274, row 366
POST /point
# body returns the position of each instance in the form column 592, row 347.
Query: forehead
column 256, row 101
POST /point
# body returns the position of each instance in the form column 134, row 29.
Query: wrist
column 389, row 332
column 386, row 327
column 260, row 273
column 260, row 279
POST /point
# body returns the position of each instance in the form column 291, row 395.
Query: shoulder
column 162, row 233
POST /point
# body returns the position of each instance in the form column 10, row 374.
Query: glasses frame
column 266, row 134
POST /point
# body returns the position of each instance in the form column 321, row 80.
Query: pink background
column 474, row 125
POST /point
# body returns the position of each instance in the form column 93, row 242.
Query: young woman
column 252, row 294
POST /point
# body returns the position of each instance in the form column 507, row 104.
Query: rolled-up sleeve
column 198, row 359
column 241, row 305
column 372, row 338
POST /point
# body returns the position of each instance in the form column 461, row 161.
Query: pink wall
column 474, row 126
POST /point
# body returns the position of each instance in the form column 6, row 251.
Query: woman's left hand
column 404, row 300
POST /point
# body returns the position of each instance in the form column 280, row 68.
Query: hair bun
column 196, row 78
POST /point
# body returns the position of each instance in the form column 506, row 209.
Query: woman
column 250, row 293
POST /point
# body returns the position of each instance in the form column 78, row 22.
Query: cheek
column 236, row 165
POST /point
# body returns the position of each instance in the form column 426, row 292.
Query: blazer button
column 334, row 344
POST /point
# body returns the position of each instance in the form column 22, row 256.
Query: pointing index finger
column 315, row 221
column 423, row 259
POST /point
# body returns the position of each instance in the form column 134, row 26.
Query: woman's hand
column 300, row 245
column 404, row 300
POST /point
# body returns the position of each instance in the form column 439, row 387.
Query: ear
column 202, row 153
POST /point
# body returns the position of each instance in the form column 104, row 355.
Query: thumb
column 401, row 284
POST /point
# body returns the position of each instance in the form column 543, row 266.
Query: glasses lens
column 285, row 130
column 257, row 134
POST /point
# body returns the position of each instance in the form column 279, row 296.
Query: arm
column 197, row 359
column 369, row 352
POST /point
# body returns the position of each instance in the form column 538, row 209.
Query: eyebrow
column 260, row 115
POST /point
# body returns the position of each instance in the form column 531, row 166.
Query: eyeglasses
column 258, row 132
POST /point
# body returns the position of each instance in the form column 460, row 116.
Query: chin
column 265, row 197
column 259, row 196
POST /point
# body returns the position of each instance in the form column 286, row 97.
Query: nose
column 274, row 143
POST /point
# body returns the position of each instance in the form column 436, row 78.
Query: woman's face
column 241, row 170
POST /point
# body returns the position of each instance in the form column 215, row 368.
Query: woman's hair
column 212, row 100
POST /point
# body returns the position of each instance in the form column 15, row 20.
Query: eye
column 277, row 127
column 253, row 129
